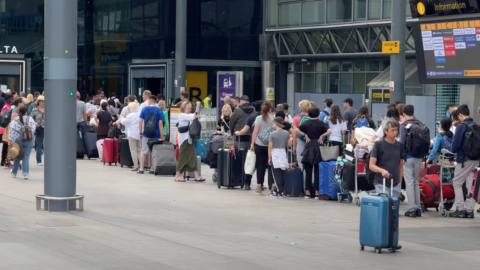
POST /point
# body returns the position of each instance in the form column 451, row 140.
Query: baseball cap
column 245, row 97
column 279, row 121
column 349, row 101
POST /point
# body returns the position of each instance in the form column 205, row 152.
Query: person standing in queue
column 38, row 115
column 22, row 129
column 149, row 129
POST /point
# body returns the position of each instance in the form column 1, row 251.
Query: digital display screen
column 449, row 50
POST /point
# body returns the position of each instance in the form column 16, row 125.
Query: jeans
column 262, row 163
column 80, row 126
column 27, row 149
column 39, row 145
column 411, row 172
column 463, row 173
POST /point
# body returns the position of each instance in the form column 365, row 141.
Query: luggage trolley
column 446, row 178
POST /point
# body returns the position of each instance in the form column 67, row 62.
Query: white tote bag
column 100, row 149
column 250, row 161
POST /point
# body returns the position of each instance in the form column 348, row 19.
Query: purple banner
column 226, row 87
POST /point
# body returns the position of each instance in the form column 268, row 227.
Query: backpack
column 26, row 133
column 362, row 122
column 151, row 124
column 195, row 130
column 30, row 107
column 418, row 140
column 369, row 173
column 471, row 142
column 6, row 118
column 325, row 120
column 264, row 135
column 303, row 118
column 447, row 142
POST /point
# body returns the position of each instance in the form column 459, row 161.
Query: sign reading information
column 423, row 8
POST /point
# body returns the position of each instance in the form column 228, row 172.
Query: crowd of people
column 264, row 130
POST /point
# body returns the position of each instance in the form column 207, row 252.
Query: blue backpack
column 362, row 122
column 303, row 119
column 447, row 142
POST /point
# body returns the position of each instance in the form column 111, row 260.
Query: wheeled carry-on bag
column 225, row 162
column 90, row 140
column 125, row 156
column 379, row 221
column 293, row 180
column 163, row 159
column 80, row 146
column 191, row 175
column 110, row 151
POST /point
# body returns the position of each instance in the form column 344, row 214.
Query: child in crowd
column 277, row 155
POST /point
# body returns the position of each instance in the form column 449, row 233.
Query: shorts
column 144, row 146
column 396, row 190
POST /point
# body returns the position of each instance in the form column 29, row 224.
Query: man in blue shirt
column 464, row 167
column 151, row 109
column 325, row 114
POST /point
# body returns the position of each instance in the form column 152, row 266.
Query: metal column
column 60, row 101
column 397, row 61
column 268, row 78
column 180, row 46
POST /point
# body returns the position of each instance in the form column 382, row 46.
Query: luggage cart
column 445, row 205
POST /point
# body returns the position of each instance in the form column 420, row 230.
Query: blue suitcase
column 202, row 149
column 293, row 183
column 327, row 184
column 379, row 222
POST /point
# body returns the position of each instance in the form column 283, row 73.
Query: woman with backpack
column 314, row 131
column 363, row 119
column 261, row 133
column 30, row 104
column 443, row 140
column 187, row 159
column 304, row 106
column 338, row 126
column 22, row 129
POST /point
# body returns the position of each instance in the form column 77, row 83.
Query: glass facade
column 337, row 77
column 113, row 32
column 285, row 13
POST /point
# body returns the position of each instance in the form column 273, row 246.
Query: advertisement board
column 197, row 85
column 229, row 84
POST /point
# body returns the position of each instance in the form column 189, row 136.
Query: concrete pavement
column 144, row 222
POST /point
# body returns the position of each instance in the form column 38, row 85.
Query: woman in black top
column 314, row 132
column 103, row 119
column 224, row 119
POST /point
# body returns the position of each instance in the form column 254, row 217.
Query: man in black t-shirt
column 388, row 166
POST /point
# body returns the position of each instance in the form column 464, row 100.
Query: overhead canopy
column 383, row 79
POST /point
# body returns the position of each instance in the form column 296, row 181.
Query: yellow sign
column 421, row 9
column 197, row 85
column 386, row 95
column 377, row 95
column 174, row 110
column 270, row 93
column 391, row 47
column 471, row 73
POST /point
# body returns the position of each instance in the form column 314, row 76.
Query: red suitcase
column 110, row 151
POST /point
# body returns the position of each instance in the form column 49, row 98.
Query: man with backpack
column 415, row 138
column 150, row 127
column 466, row 144
column 325, row 114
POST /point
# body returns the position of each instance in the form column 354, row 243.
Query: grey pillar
column 60, row 101
column 268, row 78
column 397, row 61
column 180, row 45
column 470, row 95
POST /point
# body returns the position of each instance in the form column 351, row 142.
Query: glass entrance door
column 154, row 85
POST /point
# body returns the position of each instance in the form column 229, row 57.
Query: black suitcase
column 348, row 179
column 80, row 147
column 90, row 140
column 225, row 170
column 238, row 167
column 124, row 156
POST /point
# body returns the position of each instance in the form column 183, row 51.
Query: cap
column 245, row 97
column 40, row 98
column 328, row 100
column 279, row 121
column 349, row 101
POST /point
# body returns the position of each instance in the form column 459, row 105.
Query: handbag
column 250, row 163
column 329, row 152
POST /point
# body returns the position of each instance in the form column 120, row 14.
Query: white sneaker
column 39, row 164
column 25, row 176
column 13, row 175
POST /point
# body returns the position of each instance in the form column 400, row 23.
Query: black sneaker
column 458, row 214
column 470, row 214
column 478, row 210
column 419, row 212
column 247, row 188
column 411, row 213
column 272, row 194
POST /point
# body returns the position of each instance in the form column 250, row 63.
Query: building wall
column 113, row 32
